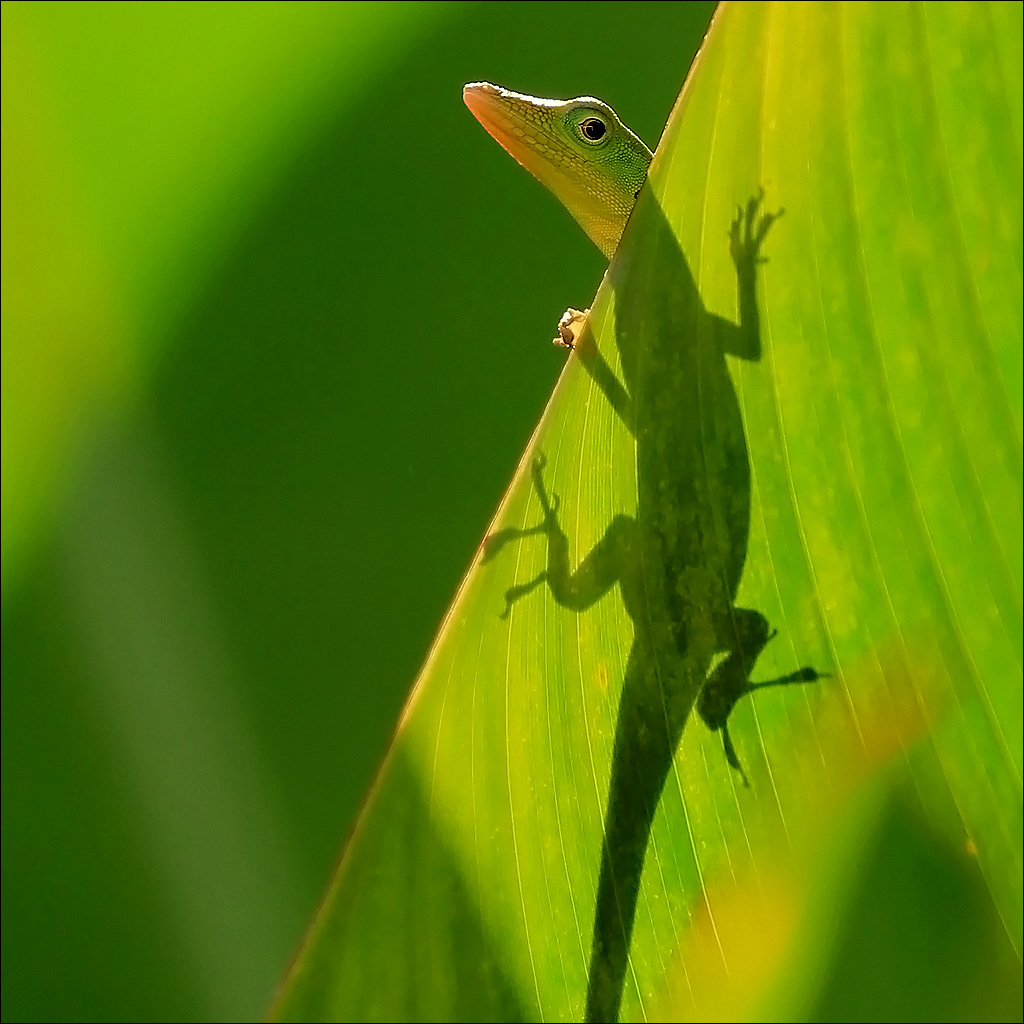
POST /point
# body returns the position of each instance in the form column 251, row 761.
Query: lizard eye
column 593, row 129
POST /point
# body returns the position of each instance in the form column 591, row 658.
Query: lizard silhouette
column 678, row 561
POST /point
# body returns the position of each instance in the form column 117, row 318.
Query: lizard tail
column 645, row 742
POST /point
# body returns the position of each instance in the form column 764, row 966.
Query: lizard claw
column 570, row 327
column 748, row 231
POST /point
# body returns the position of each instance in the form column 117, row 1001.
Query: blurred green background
column 275, row 323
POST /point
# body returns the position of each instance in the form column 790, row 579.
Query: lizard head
column 579, row 149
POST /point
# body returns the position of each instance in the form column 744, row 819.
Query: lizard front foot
column 570, row 327
column 748, row 231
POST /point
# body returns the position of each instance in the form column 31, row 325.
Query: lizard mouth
column 517, row 126
column 531, row 130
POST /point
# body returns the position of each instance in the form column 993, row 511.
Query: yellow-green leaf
column 854, row 479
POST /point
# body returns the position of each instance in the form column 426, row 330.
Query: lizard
column 678, row 560
column 581, row 151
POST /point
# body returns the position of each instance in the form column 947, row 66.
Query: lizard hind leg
column 806, row 674
column 730, row 681
column 731, row 756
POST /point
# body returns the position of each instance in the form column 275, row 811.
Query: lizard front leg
column 570, row 327
column 747, row 233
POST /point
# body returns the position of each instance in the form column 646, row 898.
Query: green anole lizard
column 678, row 561
column 581, row 151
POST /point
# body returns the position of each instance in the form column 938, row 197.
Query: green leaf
column 137, row 138
column 856, row 482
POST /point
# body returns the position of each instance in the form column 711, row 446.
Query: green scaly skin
column 579, row 149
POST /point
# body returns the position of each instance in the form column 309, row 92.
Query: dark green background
column 322, row 446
